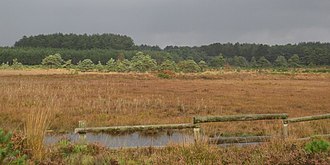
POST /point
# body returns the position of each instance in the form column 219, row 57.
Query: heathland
column 110, row 99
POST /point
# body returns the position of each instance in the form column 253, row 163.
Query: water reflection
column 126, row 140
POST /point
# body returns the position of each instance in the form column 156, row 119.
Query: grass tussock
column 37, row 122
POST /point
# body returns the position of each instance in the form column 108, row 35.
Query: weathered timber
column 307, row 118
column 247, row 117
column 247, row 139
column 135, row 128
column 315, row 136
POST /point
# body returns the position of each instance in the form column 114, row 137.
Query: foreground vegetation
column 315, row 151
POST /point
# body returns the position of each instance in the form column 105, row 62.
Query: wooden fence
column 301, row 119
column 197, row 120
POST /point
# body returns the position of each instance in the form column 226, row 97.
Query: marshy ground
column 110, row 99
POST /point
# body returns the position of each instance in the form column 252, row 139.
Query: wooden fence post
column 197, row 134
column 285, row 129
column 82, row 135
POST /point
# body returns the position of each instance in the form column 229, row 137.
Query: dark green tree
column 281, row 62
column 217, row 62
column 294, row 61
column 263, row 62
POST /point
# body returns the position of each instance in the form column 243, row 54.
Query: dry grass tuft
column 37, row 122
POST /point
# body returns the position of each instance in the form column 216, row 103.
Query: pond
column 135, row 139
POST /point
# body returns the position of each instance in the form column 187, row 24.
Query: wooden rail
column 301, row 119
column 82, row 130
column 247, row 139
column 135, row 128
column 307, row 118
column 248, row 117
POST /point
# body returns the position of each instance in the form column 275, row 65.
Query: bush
column 143, row 63
column 202, row 64
column 281, row 62
column 53, row 60
column 8, row 155
column 263, row 62
column 218, row 61
column 294, row 61
column 67, row 64
column 166, row 74
column 168, row 65
column 189, row 66
column 111, row 65
column 4, row 66
column 123, row 66
column 317, row 146
column 86, row 65
column 16, row 64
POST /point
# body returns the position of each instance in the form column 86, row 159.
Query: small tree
column 281, row 62
column 294, row 61
column 99, row 67
column 263, row 62
column 123, row 66
column 168, row 65
column 52, row 60
column 16, row 64
column 86, row 65
column 202, row 64
column 111, row 65
column 143, row 63
column 240, row 61
column 4, row 65
column 218, row 61
column 253, row 62
column 188, row 66
column 67, row 64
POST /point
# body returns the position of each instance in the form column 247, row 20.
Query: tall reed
column 36, row 125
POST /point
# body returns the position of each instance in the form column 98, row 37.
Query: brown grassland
column 31, row 100
column 110, row 99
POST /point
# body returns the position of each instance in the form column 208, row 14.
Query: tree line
column 78, row 41
column 101, row 47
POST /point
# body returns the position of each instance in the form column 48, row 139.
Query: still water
column 126, row 140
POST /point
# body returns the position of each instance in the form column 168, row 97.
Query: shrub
column 168, row 65
column 143, row 63
column 263, row 62
column 202, row 64
column 317, row 146
column 67, row 64
column 8, row 155
column 188, row 66
column 166, row 74
column 16, row 64
column 294, row 61
column 52, row 60
column 240, row 61
column 4, row 65
column 86, row 65
column 281, row 62
column 99, row 67
column 123, row 66
column 218, row 61
column 111, row 65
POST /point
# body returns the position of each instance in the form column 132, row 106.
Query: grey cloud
column 171, row 22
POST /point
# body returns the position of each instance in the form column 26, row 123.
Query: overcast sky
column 171, row 22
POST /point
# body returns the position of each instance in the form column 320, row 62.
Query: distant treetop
column 78, row 41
